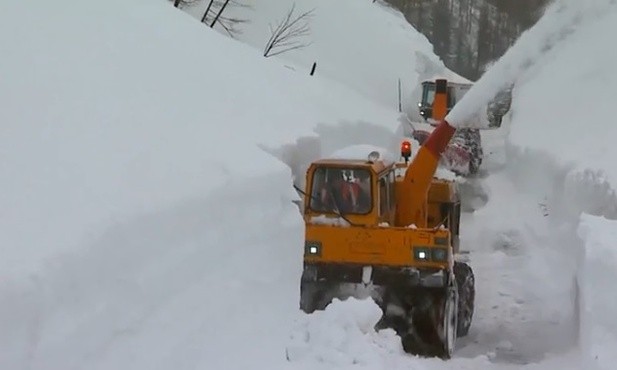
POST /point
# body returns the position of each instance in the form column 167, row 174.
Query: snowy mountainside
column 110, row 103
column 141, row 208
column 365, row 45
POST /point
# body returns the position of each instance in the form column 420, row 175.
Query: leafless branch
column 218, row 14
column 288, row 33
column 213, row 15
column 185, row 3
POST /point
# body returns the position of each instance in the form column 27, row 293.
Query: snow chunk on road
column 343, row 334
column 598, row 303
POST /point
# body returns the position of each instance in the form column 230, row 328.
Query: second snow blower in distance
column 464, row 154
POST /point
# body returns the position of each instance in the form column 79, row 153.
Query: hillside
column 367, row 46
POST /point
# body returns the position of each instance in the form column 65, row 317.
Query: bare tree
column 183, row 3
column 213, row 15
column 288, row 34
column 218, row 15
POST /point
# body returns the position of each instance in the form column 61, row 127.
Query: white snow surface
column 120, row 119
column 149, row 224
column 597, row 305
column 365, row 45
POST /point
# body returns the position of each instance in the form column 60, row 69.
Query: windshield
column 343, row 190
column 428, row 94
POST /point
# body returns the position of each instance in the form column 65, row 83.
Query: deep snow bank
column 365, row 45
column 598, row 303
column 557, row 165
column 187, row 287
column 108, row 117
column 561, row 150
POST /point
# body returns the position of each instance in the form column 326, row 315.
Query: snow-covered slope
column 143, row 225
column 365, row 45
column 120, row 118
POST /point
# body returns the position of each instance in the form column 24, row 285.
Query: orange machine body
column 411, row 218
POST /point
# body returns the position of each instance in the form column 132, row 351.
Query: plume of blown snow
column 561, row 19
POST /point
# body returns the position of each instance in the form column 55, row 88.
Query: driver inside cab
column 345, row 194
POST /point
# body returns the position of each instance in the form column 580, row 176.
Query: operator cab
column 455, row 92
column 360, row 191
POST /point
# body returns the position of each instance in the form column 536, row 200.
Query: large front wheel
column 449, row 323
column 465, row 282
column 431, row 319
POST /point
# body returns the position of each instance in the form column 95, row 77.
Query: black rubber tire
column 450, row 324
column 465, row 281
column 312, row 296
column 433, row 329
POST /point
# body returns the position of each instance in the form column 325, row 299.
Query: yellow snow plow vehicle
column 389, row 229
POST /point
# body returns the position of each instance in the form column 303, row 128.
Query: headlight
column 312, row 248
column 421, row 253
column 434, row 254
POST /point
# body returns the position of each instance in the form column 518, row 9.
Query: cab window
column 428, row 94
column 386, row 193
column 383, row 196
column 342, row 190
